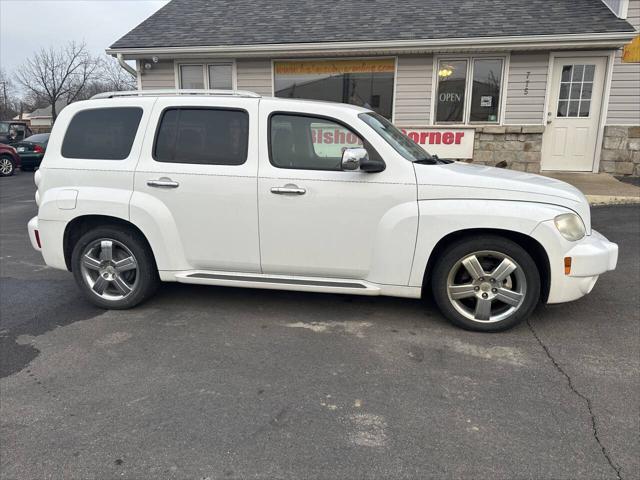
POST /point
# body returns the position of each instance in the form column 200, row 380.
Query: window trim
column 312, row 115
column 136, row 107
column 470, row 58
column 205, row 71
column 190, row 107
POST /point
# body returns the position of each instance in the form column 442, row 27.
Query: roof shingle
column 188, row 23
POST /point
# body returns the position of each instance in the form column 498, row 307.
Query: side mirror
column 352, row 158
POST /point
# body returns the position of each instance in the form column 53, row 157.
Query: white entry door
column 573, row 118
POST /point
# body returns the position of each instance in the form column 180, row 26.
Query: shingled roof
column 189, row 23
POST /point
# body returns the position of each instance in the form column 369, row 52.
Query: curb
column 595, row 200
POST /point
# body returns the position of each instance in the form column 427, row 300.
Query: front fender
column 439, row 218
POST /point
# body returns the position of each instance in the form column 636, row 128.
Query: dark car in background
column 9, row 160
column 31, row 150
column 14, row 131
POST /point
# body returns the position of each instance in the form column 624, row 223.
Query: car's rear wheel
column 7, row 168
column 115, row 269
column 486, row 284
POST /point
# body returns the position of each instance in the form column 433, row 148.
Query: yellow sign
column 631, row 51
column 335, row 67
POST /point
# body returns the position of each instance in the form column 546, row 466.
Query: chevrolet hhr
column 229, row 188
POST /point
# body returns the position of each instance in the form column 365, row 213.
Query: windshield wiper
column 433, row 160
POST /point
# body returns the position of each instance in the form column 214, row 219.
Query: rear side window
column 204, row 136
column 102, row 133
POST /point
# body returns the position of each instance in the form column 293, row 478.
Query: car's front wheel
column 7, row 168
column 115, row 269
column 486, row 283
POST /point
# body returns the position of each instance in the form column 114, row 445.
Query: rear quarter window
column 102, row 133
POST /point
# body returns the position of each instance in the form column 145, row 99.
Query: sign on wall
column 631, row 51
column 444, row 142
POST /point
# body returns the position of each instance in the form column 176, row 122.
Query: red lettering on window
column 459, row 136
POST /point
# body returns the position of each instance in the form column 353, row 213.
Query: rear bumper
column 590, row 257
column 48, row 237
column 30, row 161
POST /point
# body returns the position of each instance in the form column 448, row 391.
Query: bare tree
column 114, row 77
column 9, row 100
column 58, row 74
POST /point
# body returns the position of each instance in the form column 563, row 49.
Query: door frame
column 604, row 107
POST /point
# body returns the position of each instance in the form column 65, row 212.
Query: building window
column 191, row 77
column 364, row 82
column 469, row 90
column 221, row 77
column 218, row 76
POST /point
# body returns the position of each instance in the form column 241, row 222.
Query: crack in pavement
column 586, row 400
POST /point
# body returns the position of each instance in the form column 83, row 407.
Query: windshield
column 394, row 137
column 4, row 127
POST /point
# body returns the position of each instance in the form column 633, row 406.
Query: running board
column 279, row 282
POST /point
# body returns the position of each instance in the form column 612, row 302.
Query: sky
column 28, row 25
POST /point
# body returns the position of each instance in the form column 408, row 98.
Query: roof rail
column 164, row 93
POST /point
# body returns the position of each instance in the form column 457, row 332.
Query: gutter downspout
column 126, row 66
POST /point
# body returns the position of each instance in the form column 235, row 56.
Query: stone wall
column 515, row 147
column 621, row 150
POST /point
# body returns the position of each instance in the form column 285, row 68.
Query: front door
column 317, row 220
column 573, row 118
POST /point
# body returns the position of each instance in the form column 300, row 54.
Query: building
column 40, row 120
column 533, row 84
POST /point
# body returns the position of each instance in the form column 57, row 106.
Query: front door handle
column 289, row 189
column 163, row 182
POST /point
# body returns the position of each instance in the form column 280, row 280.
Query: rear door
column 196, row 182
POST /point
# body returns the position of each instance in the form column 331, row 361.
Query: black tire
column 12, row 167
column 146, row 274
column 448, row 266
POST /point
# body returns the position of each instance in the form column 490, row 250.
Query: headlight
column 570, row 226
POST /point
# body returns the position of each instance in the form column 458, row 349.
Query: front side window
column 202, row 136
column 310, row 143
column 364, row 82
column 469, row 90
column 102, row 133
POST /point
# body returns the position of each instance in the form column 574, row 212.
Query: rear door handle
column 163, row 182
column 289, row 189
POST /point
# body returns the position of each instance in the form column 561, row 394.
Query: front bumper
column 590, row 257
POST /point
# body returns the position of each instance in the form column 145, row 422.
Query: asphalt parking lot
column 206, row 382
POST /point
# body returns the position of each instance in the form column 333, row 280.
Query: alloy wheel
column 486, row 286
column 109, row 269
column 6, row 167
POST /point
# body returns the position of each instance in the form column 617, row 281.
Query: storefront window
column 485, row 97
column 452, row 82
column 469, row 90
column 367, row 83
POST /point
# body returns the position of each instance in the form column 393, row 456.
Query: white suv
column 228, row 188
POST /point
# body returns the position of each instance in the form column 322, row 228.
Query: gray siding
column 526, row 99
column 413, row 91
column 255, row 76
column 161, row 76
column 624, row 98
